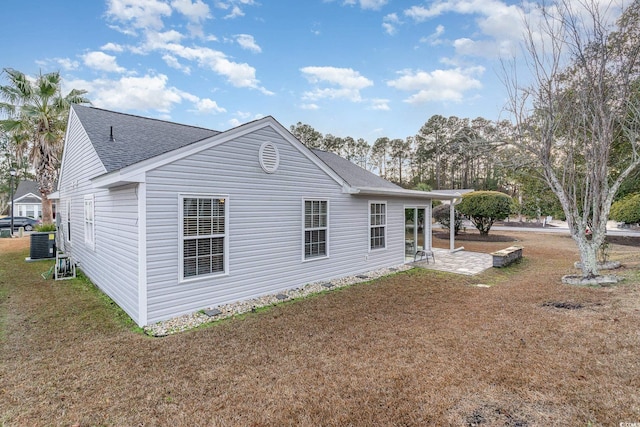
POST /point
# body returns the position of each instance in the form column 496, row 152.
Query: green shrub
column 484, row 208
column 45, row 227
column 442, row 214
column 627, row 209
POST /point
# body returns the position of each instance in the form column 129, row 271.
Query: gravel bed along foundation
column 193, row 320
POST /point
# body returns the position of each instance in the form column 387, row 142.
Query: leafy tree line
column 448, row 152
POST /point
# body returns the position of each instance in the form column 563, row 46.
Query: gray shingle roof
column 136, row 138
column 353, row 174
column 25, row 187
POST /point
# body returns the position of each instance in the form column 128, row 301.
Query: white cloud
column 145, row 17
column 195, row 12
column 244, row 117
column 349, row 83
column 367, row 4
column 147, row 93
column 64, row 63
column 188, row 96
column 438, row 85
column 434, row 38
column 389, row 23
column 140, row 14
column 486, row 48
column 101, row 61
column 501, row 23
column 238, row 74
column 112, row 47
column 158, row 40
column 173, row 62
column 372, row 4
column 235, row 13
column 310, row 106
column 67, row 64
column 380, row 104
column 247, row 42
column 421, row 13
column 208, row 106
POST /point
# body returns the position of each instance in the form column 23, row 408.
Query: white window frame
column 305, row 229
column 383, row 226
column 90, row 221
column 182, row 238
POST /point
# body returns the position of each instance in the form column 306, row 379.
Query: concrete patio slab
column 461, row 262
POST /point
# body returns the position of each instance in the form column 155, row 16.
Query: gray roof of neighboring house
column 25, row 187
column 135, row 138
column 353, row 174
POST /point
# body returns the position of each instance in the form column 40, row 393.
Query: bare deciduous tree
column 581, row 102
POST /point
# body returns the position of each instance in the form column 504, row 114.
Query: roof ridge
column 137, row 116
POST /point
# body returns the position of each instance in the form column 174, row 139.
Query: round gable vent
column 269, row 157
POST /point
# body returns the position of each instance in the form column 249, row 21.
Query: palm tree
column 36, row 109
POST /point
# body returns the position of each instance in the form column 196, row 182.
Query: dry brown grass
column 417, row 348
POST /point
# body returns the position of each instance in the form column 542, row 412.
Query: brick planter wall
column 504, row 257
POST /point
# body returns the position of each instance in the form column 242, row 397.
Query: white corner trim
column 142, row 255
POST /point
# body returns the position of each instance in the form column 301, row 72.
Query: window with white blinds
column 315, row 228
column 377, row 225
column 204, row 235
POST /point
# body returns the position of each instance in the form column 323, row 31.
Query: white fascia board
column 117, row 178
column 16, row 200
column 347, row 189
column 72, row 116
column 54, row 196
column 401, row 192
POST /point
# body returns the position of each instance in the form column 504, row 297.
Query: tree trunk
column 47, row 177
column 588, row 256
column 47, row 210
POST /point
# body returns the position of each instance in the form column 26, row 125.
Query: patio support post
column 452, row 227
column 12, row 172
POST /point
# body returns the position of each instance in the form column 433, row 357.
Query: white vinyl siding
column 377, row 225
column 113, row 265
column 203, row 235
column 316, row 228
column 265, row 226
column 89, row 222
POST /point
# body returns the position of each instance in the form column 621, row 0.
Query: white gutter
column 401, row 192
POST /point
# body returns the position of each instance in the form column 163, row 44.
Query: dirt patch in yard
column 416, row 348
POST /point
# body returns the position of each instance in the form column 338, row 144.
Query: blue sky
column 360, row 68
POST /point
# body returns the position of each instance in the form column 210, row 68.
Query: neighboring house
column 168, row 219
column 27, row 201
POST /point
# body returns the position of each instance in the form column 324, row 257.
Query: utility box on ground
column 43, row 245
